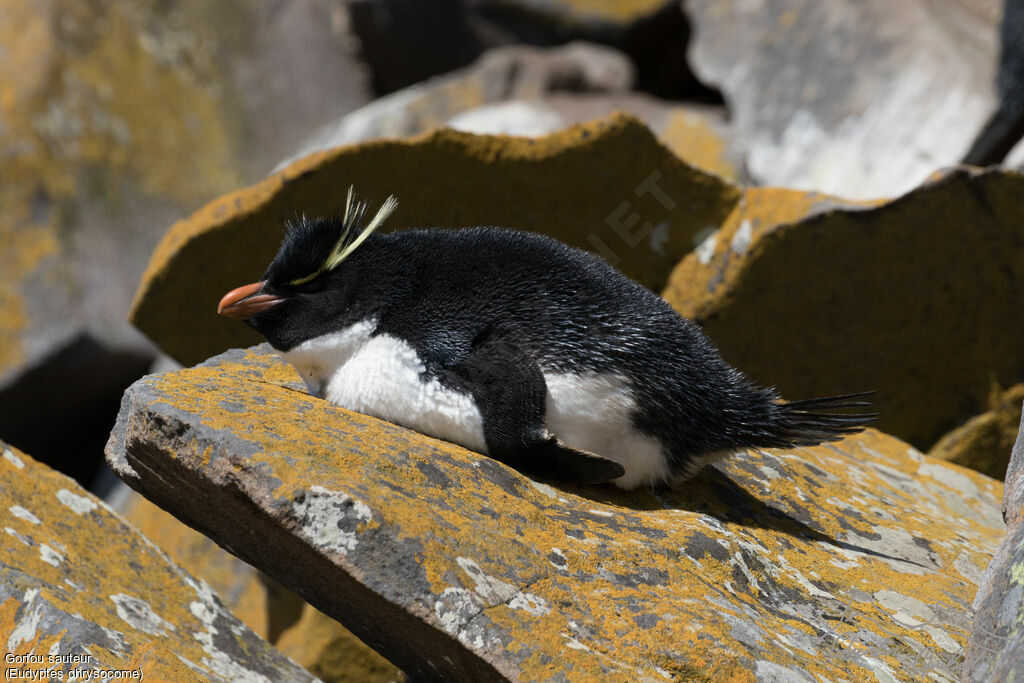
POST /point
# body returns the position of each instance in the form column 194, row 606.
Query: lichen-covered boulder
column 98, row 99
column 531, row 91
column 608, row 186
column 854, row 560
column 317, row 642
column 996, row 648
column 842, row 97
column 81, row 589
column 985, row 441
column 116, row 119
column 918, row 298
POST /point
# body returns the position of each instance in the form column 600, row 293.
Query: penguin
column 516, row 346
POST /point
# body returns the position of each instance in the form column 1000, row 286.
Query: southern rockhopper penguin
column 517, row 346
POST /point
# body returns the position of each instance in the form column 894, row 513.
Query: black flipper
column 509, row 389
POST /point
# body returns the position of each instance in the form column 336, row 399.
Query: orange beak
column 246, row 301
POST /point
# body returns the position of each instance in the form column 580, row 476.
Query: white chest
column 382, row 376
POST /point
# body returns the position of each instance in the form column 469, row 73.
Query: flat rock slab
column 918, row 298
column 858, row 99
column 608, row 186
column 274, row 613
column 77, row 581
column 850, row 561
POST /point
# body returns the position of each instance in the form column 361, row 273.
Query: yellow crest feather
column 349, row 240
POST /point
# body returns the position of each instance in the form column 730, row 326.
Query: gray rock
column 857, row 99
column 654, row 34
column 995, row 651
column 851, row 561
column 1013, row 492
column 527, row 91
column 119, row 119
column 83, row 590
column 501, row 75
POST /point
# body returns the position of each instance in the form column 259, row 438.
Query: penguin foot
column 552, row 459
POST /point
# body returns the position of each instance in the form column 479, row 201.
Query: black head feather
column 312, row 247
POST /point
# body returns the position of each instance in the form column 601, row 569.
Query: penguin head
column 307, row 290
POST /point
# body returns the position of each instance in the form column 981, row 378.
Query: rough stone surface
column 509, row 73
column 97, row 102
column 608, row 186
column 856, row 560
column 116, row 119
column 76, row 579
column 653, row 33
column 995, row 651
column 819, row 297
column 985, row 441
column 276, row 614
column 531, row 92
column 857, row 99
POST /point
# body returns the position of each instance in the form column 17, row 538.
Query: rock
column 276, row 614
column 1013, row 498
column 327, row 650
column 699, row 135
column 847, row 561
column 984, row 442
column 653, row 33
column 855, row 110
column 76, row 580
column 99, row 100
column 820, row 297
column 503, row 74
column 235, row 582
column 532, row 92
column 608, row 186
column 995, row 651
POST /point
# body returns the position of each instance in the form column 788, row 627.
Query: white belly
column 381, row 376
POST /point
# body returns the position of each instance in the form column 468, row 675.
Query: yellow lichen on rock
column 607, row 186
column 97, row 101
column 917, row 297
column 236, row 583
column 317, row 642
column 850, row 560
column 20, row 254
column 76, row 579
column 984, row 442
column 692, row 138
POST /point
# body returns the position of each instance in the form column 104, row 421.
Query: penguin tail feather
column 812, row 421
